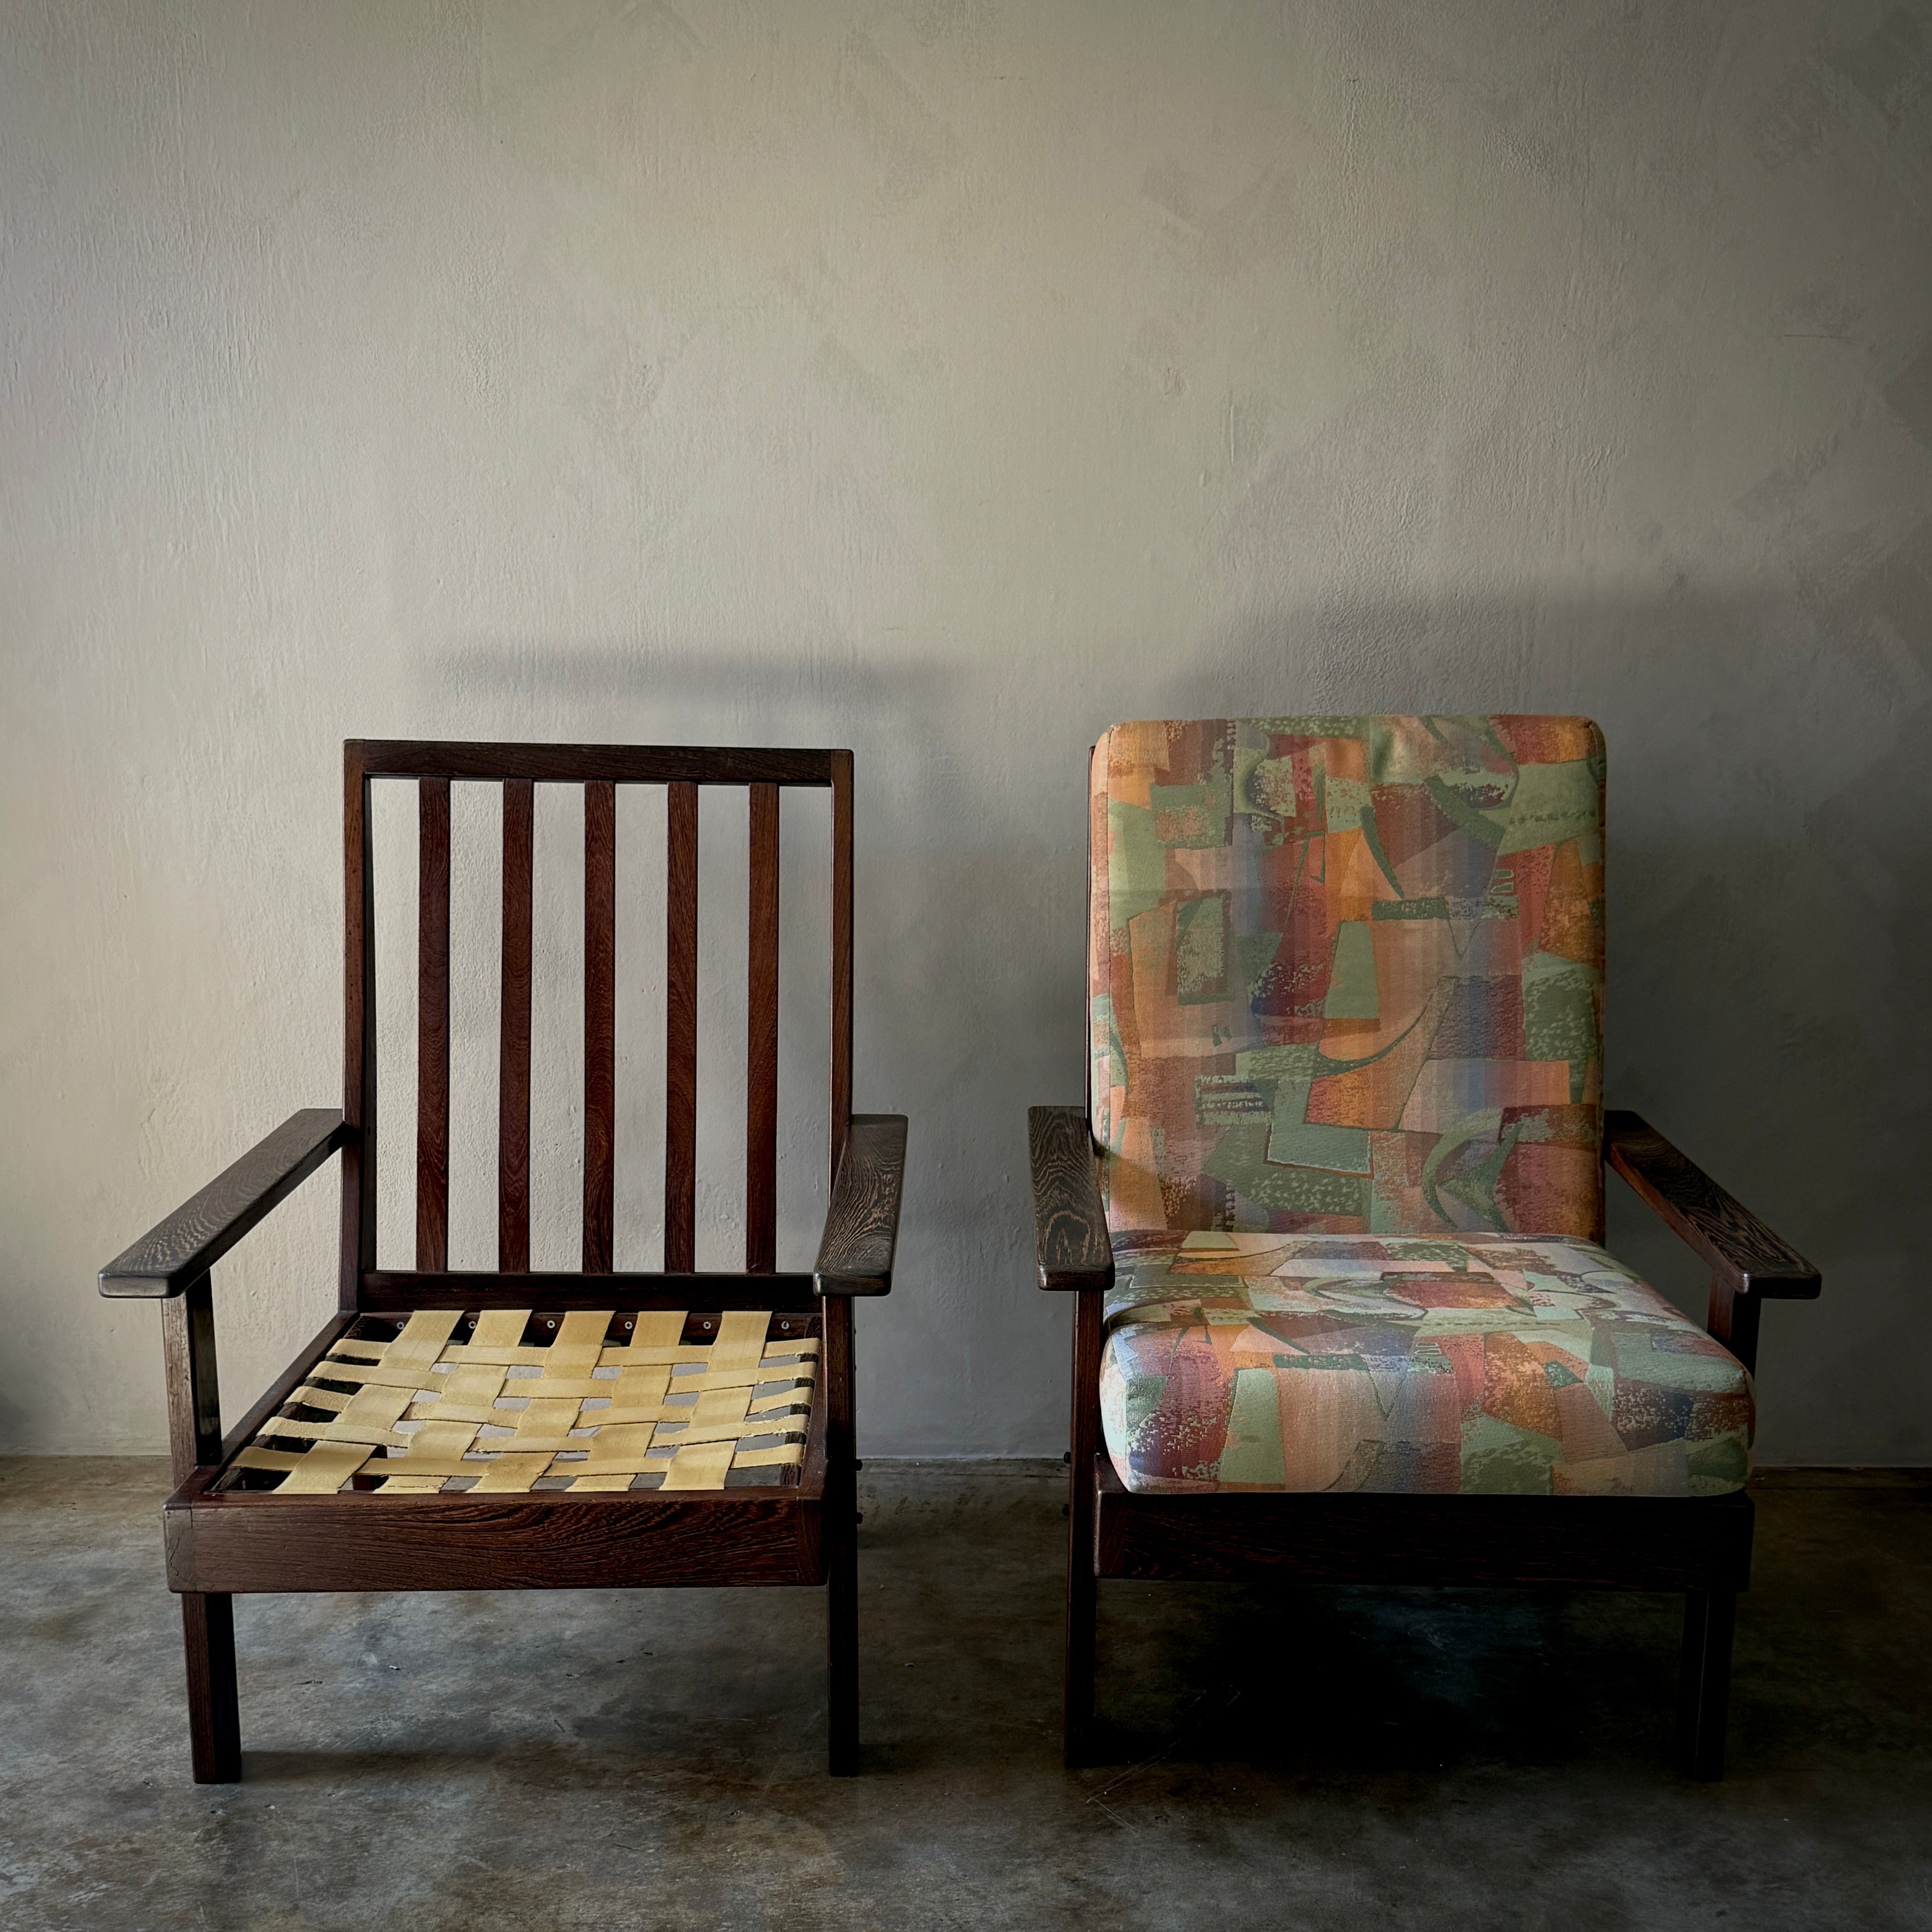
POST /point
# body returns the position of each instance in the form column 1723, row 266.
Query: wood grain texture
column 192, row 1383
column 513, row 1090
column 547, row 1540
column 1752, row 1259
column 201, row 1231
column 358, row 1027
column 214, row 1708
column 1070, row 1223
column 680, row 1203
column 861, row 1220
column 761, row 1036
column 1602, row 1543
column 585, row 764
column 600, row 1023
column 384, row 1291
column 842, row 951
column 433, row 1024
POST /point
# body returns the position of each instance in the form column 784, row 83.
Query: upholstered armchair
column 1333, row 1214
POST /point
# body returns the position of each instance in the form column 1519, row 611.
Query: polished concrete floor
column 1357, row 1758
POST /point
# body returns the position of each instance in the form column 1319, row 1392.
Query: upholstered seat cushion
column 1482, row 1364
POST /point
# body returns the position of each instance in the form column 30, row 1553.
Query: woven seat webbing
column 425, row 1412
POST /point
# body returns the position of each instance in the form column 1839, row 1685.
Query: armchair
column 1333, row 1213
column 513, row 1430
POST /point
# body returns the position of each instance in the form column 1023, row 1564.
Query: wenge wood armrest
column 185, row 1246
column 1070, row 1223
column 862, row 1224
column 1745, row 1255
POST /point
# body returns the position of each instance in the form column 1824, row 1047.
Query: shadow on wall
column 1767, row 825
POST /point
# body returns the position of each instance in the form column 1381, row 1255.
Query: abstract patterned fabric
column 1489, row 1364
column 1346, row 974
column 502, row 1401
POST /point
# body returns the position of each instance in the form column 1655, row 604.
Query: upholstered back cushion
column 1347, row 974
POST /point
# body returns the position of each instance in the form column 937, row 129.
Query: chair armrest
column 1745, row 1255
column 1070, row 1223
column 861, row 1222
column 185, row 1246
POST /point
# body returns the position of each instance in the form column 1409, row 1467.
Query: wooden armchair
column 1332, row 1213
column 450, row 1430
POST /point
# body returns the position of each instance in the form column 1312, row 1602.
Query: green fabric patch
column 1304, row 1144
column 1254, row 952
column 1264, row 785
column 1200, row 950
column 1347, row 802
column 1352, row 994
column 1551, row 803
column 1638, row 1361
column 1112, row 1053
column 1559, row 1015
column 1500, row 1459
column 1240, row 1160
column 1278, row 1063
column 1192, row 817
column 1253, row 1450
column 1454, row 1253
column 1143, row 1399
column 1227, row 1097
column 1294, row 1141
column 1136, row 864
column 1725, row 1459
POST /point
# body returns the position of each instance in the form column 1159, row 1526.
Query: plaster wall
column 945, row 379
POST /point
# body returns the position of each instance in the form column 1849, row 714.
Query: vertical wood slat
column 513, row 1095
column 600, row 1021
column 761, row 1038
column 194, row 1393
column 842, row 953
column 359, row 1009
column 433, row 1025
column 680, row 1207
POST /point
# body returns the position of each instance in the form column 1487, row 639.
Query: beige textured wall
column 946, row 379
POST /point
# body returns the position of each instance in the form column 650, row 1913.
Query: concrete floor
column 1334, row 1758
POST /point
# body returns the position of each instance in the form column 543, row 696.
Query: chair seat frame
column 223, row 1543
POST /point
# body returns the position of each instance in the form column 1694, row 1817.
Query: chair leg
column 214, row 1709
column 1083, row 1588
column 841, row 1520
column 1083, row 1606
column 1704, row 1680
column 842, row 1611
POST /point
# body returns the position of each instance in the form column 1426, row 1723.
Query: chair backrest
column 1346, row 974
column 599, row 769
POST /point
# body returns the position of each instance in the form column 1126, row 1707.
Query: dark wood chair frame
column 221, row 1544
column 1701, row 1546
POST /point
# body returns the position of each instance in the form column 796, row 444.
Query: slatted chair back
column 599, row 769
